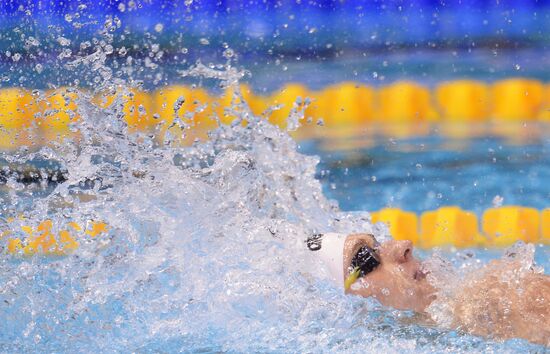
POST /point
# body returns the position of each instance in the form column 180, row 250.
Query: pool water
column 425, row 173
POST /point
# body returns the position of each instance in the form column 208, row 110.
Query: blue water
column 425, row 173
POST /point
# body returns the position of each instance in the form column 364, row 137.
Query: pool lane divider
column 452, row 226
column 400, row 109
column 26, row 240
column 448, row 226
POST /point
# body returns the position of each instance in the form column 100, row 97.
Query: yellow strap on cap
column 351, row 278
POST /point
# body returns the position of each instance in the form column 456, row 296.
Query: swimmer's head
column 387, row 271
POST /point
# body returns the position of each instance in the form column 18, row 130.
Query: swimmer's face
column 398, row 281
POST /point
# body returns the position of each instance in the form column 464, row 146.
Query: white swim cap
column 330, row 248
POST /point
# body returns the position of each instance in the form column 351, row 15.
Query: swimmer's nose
column 399, row 251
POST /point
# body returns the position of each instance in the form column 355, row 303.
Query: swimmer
column 501, row 301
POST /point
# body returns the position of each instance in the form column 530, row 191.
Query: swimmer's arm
column 489, row 306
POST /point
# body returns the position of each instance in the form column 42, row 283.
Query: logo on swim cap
column 314, row 242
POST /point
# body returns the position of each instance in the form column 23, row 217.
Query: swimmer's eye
column 365, row 261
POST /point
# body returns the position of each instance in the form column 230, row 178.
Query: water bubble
column 31, row 41
column 108, row 49
column 159, row 27
column 228, row 53
column 141, row 110
column 122, row 51
column 38, row 68
column 65, row 53
column 178, row 103
column 63, row 41
column 497, row 201
column 85, row 45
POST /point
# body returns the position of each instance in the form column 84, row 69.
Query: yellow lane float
column 57, row 112
column 464, row 107
column 42, row 240
column 344, row 109
column 544, row 112
column 258, row 104
column 516, row 102
column 348, row 104
column 192, row 107
column 545, row 226
column 404, row 109
column 406, row 102
column 450, row 226
column 230, row 100
column 290, row 97
column 403, row 225
column 506, row 225
column 463, row 101
column 17, row 124
column 136, row 107
column 516, row 99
